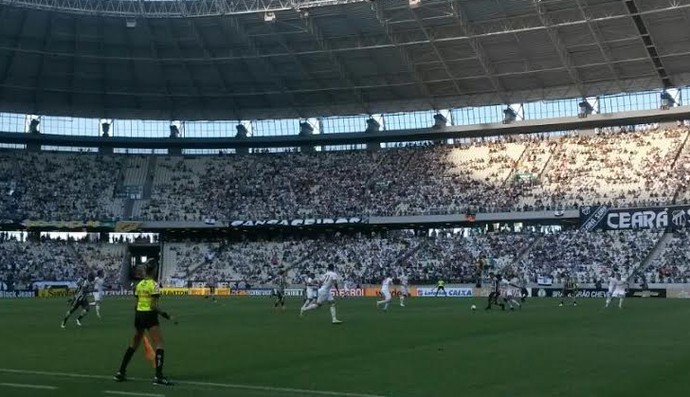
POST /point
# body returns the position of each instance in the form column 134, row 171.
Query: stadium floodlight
column 33, row 126
column 270, row 17
column 372, row 125
column 440, row 121
column 509, row 115
column 585, row 109
column 242, row 132
column 105, row 127
column 667, row 101
column 305, row 129
column 415, row 3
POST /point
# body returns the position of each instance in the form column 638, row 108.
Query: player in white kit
column 509, row 292
column 98, row 292
column 386, row 292
column 312, row 290
column 328, row 281
column 616, row 290
column 404, row 289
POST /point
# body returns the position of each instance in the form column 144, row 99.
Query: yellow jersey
column 146, row 290
column 441, row 283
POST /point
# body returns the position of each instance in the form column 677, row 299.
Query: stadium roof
column 229, row 59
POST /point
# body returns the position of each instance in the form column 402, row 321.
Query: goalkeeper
column 147, row 293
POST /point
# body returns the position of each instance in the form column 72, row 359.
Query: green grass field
column 431, row 348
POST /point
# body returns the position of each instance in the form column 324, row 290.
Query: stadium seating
column 673, row 265
column 590, row 257
column 647, row 166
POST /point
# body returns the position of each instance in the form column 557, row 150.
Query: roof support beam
column 40, row 81
column 190, row 76
column 236, row 27
column 370, row 86
column 367, row 42
column 440, row 57
column 467, row 29
column 154, row 50
column 596, row 33
column 404, row 55
column 648, row 42
column 563, row 54
column 219, row 71
column 9, row 61
column 172, row 9
column 305, row 70
column 345, row 75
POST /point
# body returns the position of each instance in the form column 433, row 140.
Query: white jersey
column 386, row 285
column 404, row 283
column 615, row 284
column 312, row 286
column 329, row 280
column 617, row 287
column 98, row 285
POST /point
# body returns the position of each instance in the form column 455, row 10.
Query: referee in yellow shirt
column 147, row 293
column 441, row 286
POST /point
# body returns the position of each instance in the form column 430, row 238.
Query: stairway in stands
column 144, row 180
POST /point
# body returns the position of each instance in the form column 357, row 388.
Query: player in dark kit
column 147, row 293
column 212, row 286
column 79, row 300
column 495, row 293
column 569, row 290
column 279, row 291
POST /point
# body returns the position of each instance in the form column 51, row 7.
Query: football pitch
column 431, row 348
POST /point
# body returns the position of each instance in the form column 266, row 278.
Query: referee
column 147, row 293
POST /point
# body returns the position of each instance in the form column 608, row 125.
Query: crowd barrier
column 670, row 291
column 598, row 293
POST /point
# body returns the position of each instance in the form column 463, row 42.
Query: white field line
column 125, row 393
column 25, row 386
column 193, row 383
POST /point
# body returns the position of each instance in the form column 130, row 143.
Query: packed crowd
column 24, row 262
column 59, row 186
column 618, row 167
column 366, row 258
column 673, row 264
column 589, row 257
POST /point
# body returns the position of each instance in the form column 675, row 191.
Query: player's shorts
column 404, row 291
column 97, row 296
column 212, row 290
column 440, row 287
column 386, row 295
column 278, row 293
column 509, row 293
column 145, row 320
column 619, row 293
column 83, row 303
column 311, row 293
column 324, row 295
column 568, row 292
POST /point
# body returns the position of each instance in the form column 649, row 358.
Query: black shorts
column 440, row 287
column 212, row 290
column 83, row 303
column 568, row 292
column 279, row 294
column 145, row 320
